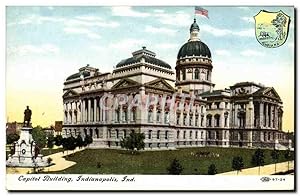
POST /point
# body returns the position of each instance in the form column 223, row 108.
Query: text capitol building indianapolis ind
column 173, row 110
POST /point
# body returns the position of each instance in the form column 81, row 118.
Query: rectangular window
column 178, row 119
column 178, row 134
column 196, row 120
column 191, row 134
column 184, row 119
column 184, row 134
column 150, row 134
column 158, row 116
column 167, row 118
column 166, row 135
column 196, row 135
column 158, row 133
column 150, row 117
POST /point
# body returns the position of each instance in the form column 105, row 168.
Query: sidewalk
column 265, row 170
column 57, row 158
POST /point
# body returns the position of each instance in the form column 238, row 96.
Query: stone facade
column 143, row 94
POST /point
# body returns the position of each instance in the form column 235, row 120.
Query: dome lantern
column 194, row 31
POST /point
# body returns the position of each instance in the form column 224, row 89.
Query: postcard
column 150, row 98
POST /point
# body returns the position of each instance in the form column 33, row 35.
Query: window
column 217, row 105
column 150, row 145
column 191, row 120
column 125, row 134
column 217, row 120
column 184, row 119
column 158, row 116
column 97, row 132
column 183, row 74
column 118, row 115
column 178, row 119
column 191, row 133
column 201, row 134
column 166, row 135
column 202, row 120
column 133, row 112
column 184, row 134
column 150, row 134
column 226, row 119
column 158, row 145
column 196, row 120
column 207, row 75
column 196, row 135
column 197, row 74
column 208, row 118
column 117, row 133
column 125, row 116
column 109, row 133
column 150, row 116
column 167, row 117
column 178, row 132
column 158, row 133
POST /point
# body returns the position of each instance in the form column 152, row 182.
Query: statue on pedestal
column 27, row 117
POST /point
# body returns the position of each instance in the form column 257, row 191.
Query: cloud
column 177, row 19
column 218, row 32
column 160, row 30
column 33, row 49
column 128, row 44
column 222, row 52
column 159, row 11
column 248, row 19
column 249, row 53
column 127, row 11
column 81, row 31
column 243, row 8
column 92, row 21
column 166, row 46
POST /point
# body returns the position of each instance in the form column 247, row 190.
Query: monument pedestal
column 25, row 152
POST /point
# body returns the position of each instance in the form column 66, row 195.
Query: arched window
column 217, row 120
column 196, row 74
column 208, row 120
column 226, row 119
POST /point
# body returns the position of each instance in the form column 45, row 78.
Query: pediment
column 124, row 83
column 70, row 93
column 160, row 84
column 271, row 92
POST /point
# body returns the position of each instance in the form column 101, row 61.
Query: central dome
column 194, row 48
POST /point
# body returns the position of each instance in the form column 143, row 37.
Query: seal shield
column 271, row 28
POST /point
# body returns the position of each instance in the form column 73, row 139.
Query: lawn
column 156, row 162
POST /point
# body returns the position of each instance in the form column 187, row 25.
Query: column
column 89, row 110
column 83, row 119
column 276, row 117
column 65, row 109
column 236, row 123
column 79, row 111
column 95, row 109
column 100, row 109
column 261, row 114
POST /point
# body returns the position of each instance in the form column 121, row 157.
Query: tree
column 135, row 141
column 11, row 138
column 237, row 164
column 50, row 142
column 79, row 141
column 175, row 167
column 258, row 159
column 88, row 140
column 288, row 155
column 212, row 170
column 39, row 136
column 58, row 140
column 275, row 157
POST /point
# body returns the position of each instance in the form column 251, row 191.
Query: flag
column 201, row 11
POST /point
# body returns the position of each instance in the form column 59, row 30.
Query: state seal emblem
column 271, row 28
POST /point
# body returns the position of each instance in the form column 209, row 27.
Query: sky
column 44, row 45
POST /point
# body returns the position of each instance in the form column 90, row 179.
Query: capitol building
column 173, row 108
